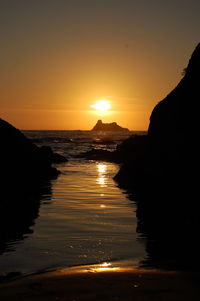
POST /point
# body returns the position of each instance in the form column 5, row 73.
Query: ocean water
column 83, row 217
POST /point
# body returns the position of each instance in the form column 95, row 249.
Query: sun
column 101, row 106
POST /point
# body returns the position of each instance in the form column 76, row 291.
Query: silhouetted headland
column 113, row 127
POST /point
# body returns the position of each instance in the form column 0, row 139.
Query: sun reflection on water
column 104, row 267
column 101, row 181
column 102, row 169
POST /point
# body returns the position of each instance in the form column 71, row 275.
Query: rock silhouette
column 23, row 161
column 25, row 173
column 173, row 124
column 170, row 153
column 130, row 150
column 114, row 127
column 163, row 182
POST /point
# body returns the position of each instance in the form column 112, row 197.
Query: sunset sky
column 58, row 58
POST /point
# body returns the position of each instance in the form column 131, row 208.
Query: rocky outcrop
column 163, row 181
column 97, row 154
column 25, row 179
column 170, row 155
column 114, row 127
column 130, row 150
column 174, row 122
column 22, row 163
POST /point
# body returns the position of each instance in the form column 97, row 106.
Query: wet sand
column 103, row 282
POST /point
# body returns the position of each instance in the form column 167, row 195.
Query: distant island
column 100, row 126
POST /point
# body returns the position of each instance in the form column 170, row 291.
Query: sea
column 83, row 218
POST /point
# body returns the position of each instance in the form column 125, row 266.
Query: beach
column 103, row 282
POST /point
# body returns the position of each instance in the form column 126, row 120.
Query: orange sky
column 60, row 57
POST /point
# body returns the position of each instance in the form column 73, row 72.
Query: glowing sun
column 101, row 106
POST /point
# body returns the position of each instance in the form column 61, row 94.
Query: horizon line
column 76, row 130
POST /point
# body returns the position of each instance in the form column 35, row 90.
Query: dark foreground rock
column 170, row 156
column 174, row 130
column 168, row 159
column 23, row 163
column 163, row 180
column 114, row 127
column 25, row 180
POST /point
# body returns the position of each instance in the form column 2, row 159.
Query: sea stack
column 114, row 127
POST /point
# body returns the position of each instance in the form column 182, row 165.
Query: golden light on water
column 101, row 168
column 101, row 106
column 104, row 267
column 105, row 264
column 101, row 179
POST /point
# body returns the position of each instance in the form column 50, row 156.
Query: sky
column 59, row 57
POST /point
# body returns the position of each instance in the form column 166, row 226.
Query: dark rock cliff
column 163, row 181
column 171, row 154
column 173, row 127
